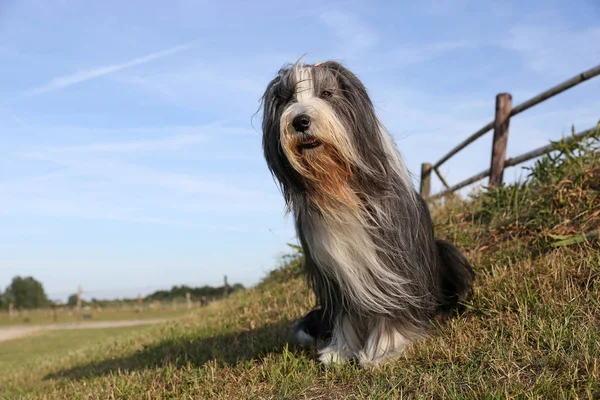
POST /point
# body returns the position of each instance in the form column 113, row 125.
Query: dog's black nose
column 301, row 122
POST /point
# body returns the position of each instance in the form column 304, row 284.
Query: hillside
column 531, row 330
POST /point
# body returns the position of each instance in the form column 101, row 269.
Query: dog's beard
column 324, row 155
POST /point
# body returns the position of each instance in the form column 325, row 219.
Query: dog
column 379, row 276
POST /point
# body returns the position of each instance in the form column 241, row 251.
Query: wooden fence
column 500, row 125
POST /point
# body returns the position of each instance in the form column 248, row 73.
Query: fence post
column 425, row 180
column 501, row 125
column 225, row 287
column 54, row 312
column 188, row 300
column 79, row 293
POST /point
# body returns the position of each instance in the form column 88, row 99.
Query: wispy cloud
column 409, row 55
column 354, row 34
column 132, row 175
column 108, row 189
column 219, row 84
column 175, row 142
column 82, row 76
column 554, row 51
column 187, row 136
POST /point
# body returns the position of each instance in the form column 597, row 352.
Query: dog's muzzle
column 304, row 138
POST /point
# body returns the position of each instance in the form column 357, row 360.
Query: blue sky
column 130, row 159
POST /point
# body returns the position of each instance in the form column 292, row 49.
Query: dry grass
column 531, row 330
column 46, row 316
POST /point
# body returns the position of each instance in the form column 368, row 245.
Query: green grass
column 46, row 345
column 531, row 330
column 45, row 317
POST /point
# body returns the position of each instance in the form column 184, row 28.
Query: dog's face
column 318, row 119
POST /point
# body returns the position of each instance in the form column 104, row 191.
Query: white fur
column 304, row 339
column 345, row 343
column 304, row 86
column 384, row 343
column 344, row 249
column 396, row 160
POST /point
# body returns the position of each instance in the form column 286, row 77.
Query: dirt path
column 14, row 332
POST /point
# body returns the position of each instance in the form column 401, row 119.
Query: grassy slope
column 532, row 328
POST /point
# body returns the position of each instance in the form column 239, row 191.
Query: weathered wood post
column 54, row 312
column 501, row 125
column 225, row 287
column 425, row 180
column 79, row 293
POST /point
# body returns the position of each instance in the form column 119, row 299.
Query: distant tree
column 72, row 300
column 3, row 304
column 237, row 286
column 195, row 292
column 27, row 293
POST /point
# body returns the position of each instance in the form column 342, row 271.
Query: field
column 531, row 330
column 45, row 317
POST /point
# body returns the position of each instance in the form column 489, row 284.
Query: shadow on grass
column 227, row 349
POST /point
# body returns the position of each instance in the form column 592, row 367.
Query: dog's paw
column 372, row 361
column 303, row 338
column 330, row 355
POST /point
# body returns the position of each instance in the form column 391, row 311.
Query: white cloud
column 131, row 175
column 187, row 136
column 408, row 55
column 553, row 50
column 82, row 76
column 171, row 143
column 441, row 7
column 355, row 36
column 100, row 188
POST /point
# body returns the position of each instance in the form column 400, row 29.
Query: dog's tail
column 457, row 277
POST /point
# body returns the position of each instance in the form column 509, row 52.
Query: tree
column 72, row 300
column 26, row 293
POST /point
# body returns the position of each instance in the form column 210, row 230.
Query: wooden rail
column 511, row 162
column 500, row 125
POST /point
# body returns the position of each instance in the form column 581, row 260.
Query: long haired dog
column 379, row 276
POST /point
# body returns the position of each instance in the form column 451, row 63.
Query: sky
column 130, row 147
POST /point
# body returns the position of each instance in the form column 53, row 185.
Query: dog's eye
column 325, row 94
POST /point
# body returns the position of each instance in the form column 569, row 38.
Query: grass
column 531, row 330
column 45, row 317
column 37, row 348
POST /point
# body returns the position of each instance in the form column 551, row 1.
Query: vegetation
column 178, row 292
column 531, row 330
column 41, row 347
column 47, row 316
column 25, row 293
column 28, row 294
